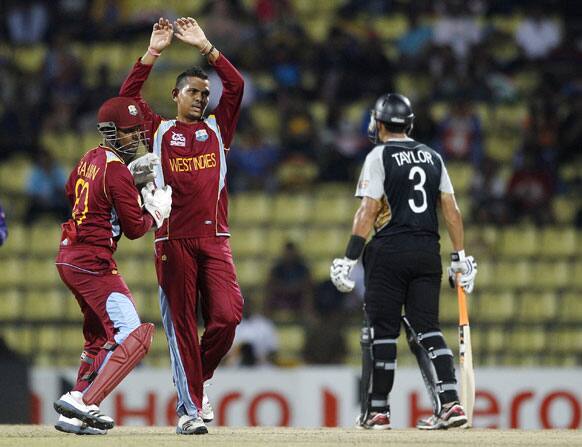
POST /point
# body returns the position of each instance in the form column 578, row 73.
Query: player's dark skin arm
column 365, row 217
column 453, row 220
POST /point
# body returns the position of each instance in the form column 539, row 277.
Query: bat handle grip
column 463, row 313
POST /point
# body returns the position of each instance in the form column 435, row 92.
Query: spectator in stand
column 538, row 34
column 459, row 134
column 458, row 29
column 531, row 189
column 488, row 194
column 45, row 189
column 252, row 163
column 27, row 21
column 63, row 81
column 3, row 226
column 289, row 287
column 415, row 43
column 256, row 341
column 570, row 133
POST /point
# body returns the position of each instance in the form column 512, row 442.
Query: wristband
column 355, row 247
column 203, row 51
column 210, row 51
column 154, row 53
column 458, row 256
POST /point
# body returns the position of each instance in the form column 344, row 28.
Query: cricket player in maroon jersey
column 193, row 254
column 105, row 204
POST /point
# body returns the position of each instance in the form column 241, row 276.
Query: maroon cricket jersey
column 193, row 156
column 105, row 201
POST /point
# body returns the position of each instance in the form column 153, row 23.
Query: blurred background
column 496, row 87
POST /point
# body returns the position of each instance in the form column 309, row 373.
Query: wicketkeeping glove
column 157, row 202
column 142, row 168
column 467, row 267
column 340, row 271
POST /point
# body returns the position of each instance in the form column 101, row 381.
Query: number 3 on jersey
column 418, row 186
column 81, row 201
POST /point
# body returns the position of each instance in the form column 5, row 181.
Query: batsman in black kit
column 401, row 184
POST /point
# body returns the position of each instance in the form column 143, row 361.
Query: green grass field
column 35, row 435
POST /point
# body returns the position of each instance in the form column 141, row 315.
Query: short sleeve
column 371, row 181
column 445, row 183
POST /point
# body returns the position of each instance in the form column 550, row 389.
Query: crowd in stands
column 317, row 87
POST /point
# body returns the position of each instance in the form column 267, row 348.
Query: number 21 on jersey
column 81, row 201
column 418, row 176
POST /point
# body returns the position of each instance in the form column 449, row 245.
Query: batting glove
column 467, row 267
column 142, row 168
column 157, row 202
column 340, row 271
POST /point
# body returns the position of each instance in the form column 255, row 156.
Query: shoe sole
column 453, row 423
column 74, row 430
column 196, row 431
column 206, row 421
column 71, row 412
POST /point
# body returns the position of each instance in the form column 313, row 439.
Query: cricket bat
column 465, row 357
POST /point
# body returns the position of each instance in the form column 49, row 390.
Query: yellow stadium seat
column 45, row 304
column 44, row 239
column 42, row 272
column 252, row 272
column 329, row 242
column 11, row 303
column 291, row 339
column 138, row 273
column 72, row 341
column 449, row 308
column 495, row 340
column 485, row 274
column 18, row 338
column 291, row 209
column 30, row 58
column 494, row 307
column 143, row 247
column 13, row 272
column 461, row 175
column 537, row 307
column 317, row 26
column 570, row 309
column 552, row 275
column 250, row 208
column 320, row 269
column 565, row 209
column 566, row 340
column 13, row 174
column 17, row 242
column 390, row 27
column 577, row 275
column 513, row 274
column 334, row 210
column 558, row 242
column 266, row 118
column 248, row 241
column 518, row 241
column 527, row 340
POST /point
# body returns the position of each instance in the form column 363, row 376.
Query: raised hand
column 188, row 31
column 161, row 35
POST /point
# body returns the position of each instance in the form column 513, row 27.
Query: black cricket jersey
column 407, row 177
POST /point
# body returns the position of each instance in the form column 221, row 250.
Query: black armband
column 355, row 247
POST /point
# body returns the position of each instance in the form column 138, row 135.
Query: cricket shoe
column 77, row 427
column 71, row 405
column 190, row 425
column 452, row 415
column 375, row 421
column 207, row 411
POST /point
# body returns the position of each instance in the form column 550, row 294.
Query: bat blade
column 467, row 372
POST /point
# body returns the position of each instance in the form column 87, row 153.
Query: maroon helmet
column 121, row 113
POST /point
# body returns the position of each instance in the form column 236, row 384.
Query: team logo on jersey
column 178, row 139
column 201, row 135
column 132, row 110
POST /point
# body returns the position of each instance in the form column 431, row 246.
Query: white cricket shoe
column 77, row 427
column 452, row 415
column 71, row 405
column 207, row 411
column 190, row 425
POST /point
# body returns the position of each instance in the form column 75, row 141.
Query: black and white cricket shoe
column 207, row 411
column 71, row 405
column 452, row 415
column 190, row 425
column 77, row 427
